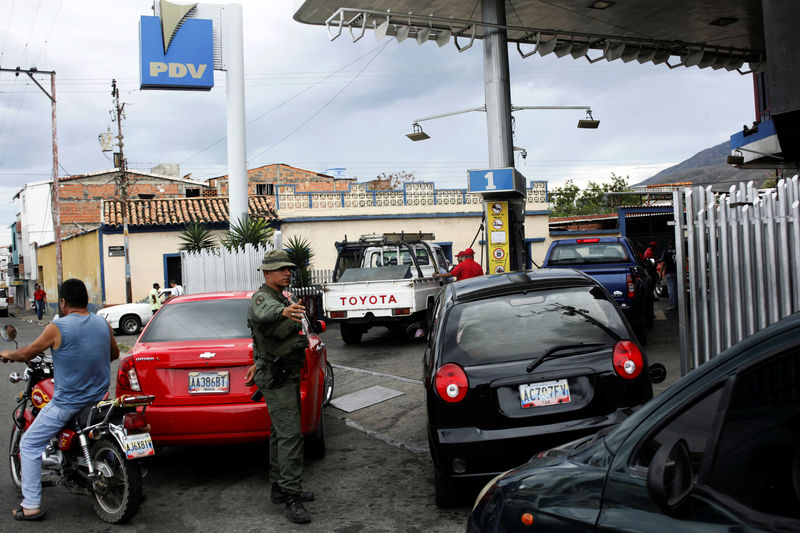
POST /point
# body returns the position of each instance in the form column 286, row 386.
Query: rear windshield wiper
column 581, row 348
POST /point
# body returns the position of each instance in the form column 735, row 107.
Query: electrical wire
column 383, row 47
column 262, row 115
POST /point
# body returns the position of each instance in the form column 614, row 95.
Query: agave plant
column 300, row 253
column 195, row 236
column 255, row 231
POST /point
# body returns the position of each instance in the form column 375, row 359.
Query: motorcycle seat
column 90, row 414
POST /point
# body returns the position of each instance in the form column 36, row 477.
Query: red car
column 193, row 356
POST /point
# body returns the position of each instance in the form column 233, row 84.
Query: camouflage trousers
column 286, row 438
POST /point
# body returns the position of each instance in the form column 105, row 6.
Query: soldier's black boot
column 278, row 495
column 295, row 511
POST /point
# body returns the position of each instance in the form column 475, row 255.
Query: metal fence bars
column 218, row 269
column 742, row 254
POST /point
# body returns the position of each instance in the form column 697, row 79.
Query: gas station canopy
column 712, row 33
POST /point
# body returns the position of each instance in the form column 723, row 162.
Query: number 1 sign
column 496, row 180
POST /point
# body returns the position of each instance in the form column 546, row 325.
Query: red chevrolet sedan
column 193, row 356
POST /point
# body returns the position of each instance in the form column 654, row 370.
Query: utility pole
column 123, row 188
column 56, row 204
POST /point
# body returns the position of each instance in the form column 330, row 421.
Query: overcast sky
column 317, row 104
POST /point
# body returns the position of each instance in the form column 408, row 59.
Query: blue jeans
column 47, row 424
column 672, row 288
column 39, row 307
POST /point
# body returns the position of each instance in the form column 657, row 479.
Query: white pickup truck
column 383, row 280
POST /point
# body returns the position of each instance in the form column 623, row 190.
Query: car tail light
column 401, row 311
column 581, row 241
column 134, row 421
column 126, row 376
column 451, row 383
column 631, row 286
column 338, row 314
column 627, row 359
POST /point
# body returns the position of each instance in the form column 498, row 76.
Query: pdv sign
column 185, row 62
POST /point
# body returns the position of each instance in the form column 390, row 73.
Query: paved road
column 377, row 475
column 363, row 484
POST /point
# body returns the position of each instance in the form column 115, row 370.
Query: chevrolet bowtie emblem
column 207, row 355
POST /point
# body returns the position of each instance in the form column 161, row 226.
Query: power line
column 324, row 105
column 285, row 101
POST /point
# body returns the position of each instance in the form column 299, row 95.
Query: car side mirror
column 658, row 373
column 670, row 477
column 8, row 333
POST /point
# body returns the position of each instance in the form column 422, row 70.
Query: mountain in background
column 709, row 167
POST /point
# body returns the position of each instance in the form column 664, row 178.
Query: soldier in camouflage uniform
column 278, row 354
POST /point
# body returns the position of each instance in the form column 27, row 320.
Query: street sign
column 496, row 180
column 116, row 251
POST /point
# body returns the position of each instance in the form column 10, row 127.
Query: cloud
column 320, row 111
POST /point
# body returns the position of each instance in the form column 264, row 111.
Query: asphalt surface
column 377, row 474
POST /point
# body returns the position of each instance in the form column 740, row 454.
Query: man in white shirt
column 177, row 290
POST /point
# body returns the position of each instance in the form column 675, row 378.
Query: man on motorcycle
column 83, row 347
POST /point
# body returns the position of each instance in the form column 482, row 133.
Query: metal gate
column 218, row 269
column 741, row 252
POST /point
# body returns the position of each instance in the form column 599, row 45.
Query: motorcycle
column 96, row 451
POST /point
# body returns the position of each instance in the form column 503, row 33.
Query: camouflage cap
column 274, row 260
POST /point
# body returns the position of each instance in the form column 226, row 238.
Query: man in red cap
column 466, row 267
column 650, row 253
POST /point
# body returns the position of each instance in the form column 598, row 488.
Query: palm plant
column 300, row 253
column 195, row 236
column 255, row 231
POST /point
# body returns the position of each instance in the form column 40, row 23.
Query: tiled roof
column 180, row 210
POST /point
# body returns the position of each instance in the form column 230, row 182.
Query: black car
column 717, row 451
column 520, row 362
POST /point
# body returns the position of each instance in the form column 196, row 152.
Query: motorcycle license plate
column 209, row 382
column 138, row 446
column 544, row 393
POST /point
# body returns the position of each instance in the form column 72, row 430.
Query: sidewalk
column 29, row 315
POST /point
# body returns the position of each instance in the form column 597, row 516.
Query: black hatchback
column 719, row 450
column 521, row 362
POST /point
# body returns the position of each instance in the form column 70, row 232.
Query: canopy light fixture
column 589, row 123
column 417, row 134
column 544, row 41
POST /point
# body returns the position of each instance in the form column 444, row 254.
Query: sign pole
column 233, row 47
column 497, row 89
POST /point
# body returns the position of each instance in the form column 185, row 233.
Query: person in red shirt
column 650, row 253
column 466, row 267
column 39, row 300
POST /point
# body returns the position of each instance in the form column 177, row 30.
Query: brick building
column 262, row 181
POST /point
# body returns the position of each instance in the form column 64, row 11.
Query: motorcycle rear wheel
column 115, row 498
column 14, row 463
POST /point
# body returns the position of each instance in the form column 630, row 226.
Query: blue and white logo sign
column 175, row 55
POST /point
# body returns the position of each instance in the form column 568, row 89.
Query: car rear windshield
column 521, row 326
column 199, row 320
column 589, row 253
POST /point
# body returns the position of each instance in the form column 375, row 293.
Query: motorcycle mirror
column 8, row 333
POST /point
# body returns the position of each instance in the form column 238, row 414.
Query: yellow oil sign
column 497, row 218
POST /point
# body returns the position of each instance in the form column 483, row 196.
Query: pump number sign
column 496, row 180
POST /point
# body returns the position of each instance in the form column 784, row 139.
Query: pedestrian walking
column 279, row 354
column 39, row 300
column 670, row 268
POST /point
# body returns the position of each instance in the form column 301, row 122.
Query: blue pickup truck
column 614, row 262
